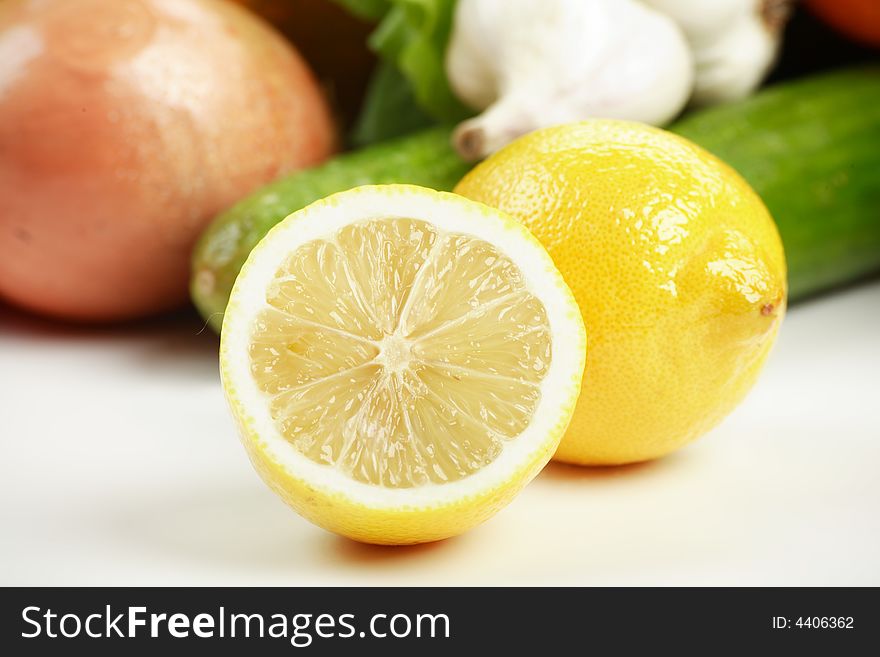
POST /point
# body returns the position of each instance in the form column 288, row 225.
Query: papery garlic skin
column 532, row 64
column 735, row 43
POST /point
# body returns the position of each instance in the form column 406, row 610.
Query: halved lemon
column 400, row 361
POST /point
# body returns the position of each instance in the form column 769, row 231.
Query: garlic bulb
column 735, row 42
column 531, row 64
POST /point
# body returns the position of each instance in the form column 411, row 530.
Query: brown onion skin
column 125, row 125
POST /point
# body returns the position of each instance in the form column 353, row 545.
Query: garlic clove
column 499, row 125
column 531, row 65
column 735, row 64
column 735, row 43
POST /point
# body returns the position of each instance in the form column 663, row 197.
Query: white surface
column 120, row 466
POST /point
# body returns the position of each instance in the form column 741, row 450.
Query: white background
column 120, row 466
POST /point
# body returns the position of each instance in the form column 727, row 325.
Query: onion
column 125, row 125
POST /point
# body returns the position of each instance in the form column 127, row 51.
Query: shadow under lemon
column 246, row 528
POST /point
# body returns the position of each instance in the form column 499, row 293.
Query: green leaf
column 413, row 35
column 390, row 109
column 371, row 10
column 411, row 85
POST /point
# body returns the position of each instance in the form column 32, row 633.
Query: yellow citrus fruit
column 676, row 264
column 400, row 361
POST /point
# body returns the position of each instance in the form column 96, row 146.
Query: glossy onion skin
column 125, row 125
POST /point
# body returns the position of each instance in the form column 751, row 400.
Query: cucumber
column 426, row 158
column 811, row 149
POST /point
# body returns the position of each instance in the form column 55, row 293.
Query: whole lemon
column 676, row 265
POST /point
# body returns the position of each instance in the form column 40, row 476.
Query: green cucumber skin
column 425, row 158
column 811, row 149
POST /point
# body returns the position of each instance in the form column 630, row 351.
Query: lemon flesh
column 400, row 361
column 436, row 333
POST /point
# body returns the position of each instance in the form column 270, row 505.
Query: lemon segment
column 400, row 361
